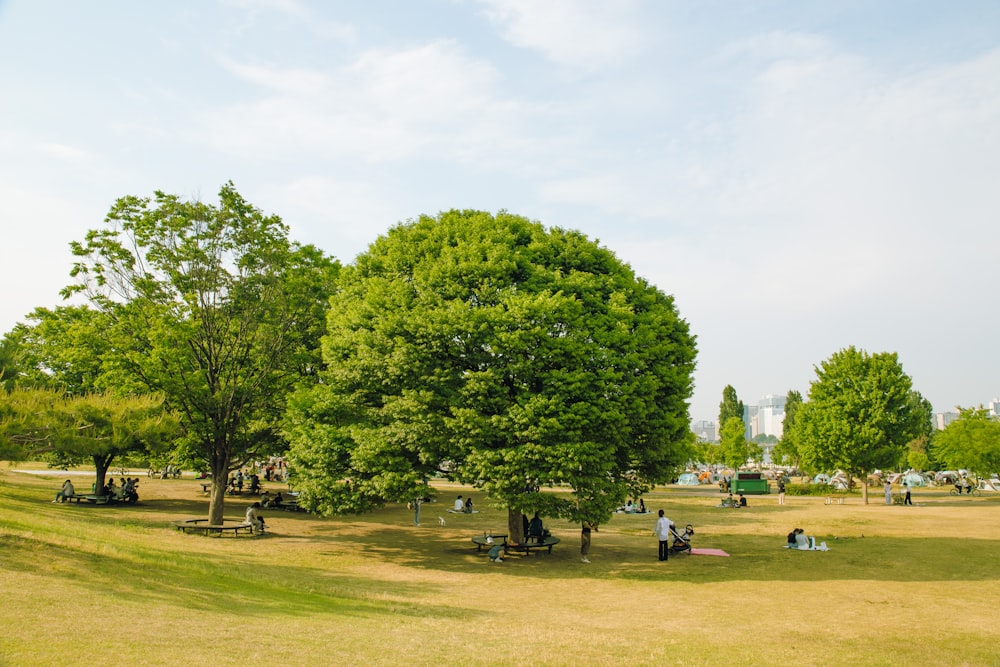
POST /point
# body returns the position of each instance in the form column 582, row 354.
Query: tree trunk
column 515, row 526
column 101, row 465
column 864, row 488
column 217, row 501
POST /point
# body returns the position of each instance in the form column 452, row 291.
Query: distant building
column 942, row 419
column 994, row 407
column 765, row 418
column 705, row 431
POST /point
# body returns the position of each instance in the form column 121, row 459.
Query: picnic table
column 481, row 543
column 530, row 544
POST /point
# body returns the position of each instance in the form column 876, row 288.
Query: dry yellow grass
column 119, row 584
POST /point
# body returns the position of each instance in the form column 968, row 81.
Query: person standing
column 585, row 540
column 781, row 490
column 888, row 492
column 662, row 532
column 906, row 499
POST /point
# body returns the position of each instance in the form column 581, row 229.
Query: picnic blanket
column 819, row 547
column 708, row 552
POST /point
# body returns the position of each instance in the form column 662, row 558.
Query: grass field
column 900, row 585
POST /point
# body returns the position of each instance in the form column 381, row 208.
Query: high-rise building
column 771, row 415
column 705, row 431
column 942, row 419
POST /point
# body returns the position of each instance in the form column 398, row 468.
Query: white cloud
column 385, row 105
column 591, row 34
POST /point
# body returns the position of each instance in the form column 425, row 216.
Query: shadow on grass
column 212, row 583
column 230, row 579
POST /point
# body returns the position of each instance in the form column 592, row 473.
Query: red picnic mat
column 708, row 552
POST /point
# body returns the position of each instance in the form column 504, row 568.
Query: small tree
column 787, row 451
column 861, row 413
column 734, row 446
column 65, row 430
column 731, row 406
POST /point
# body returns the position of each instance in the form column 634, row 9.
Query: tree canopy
column 971, row 442
column 787, row 451
column 502, row 355
column 214, row 308
column 731, row 406
column 861, row 413
column 67, row 429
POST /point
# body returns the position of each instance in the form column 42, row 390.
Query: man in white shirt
column 662, row 532
column 459, row 504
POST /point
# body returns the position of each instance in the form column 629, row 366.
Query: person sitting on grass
column 67, row 491
column 743, row 501
column 797, row 539
column 468, row 505
column 459, row 505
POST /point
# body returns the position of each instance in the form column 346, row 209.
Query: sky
column 801, row 176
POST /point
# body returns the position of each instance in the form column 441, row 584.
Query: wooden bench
column 203, row 527
column 89, row 498
column 533, row 544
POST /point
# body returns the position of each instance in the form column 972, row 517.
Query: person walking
column 585, row 540
column 888, row 492
column 906, row 499
column 781, row 490
column 662, row 532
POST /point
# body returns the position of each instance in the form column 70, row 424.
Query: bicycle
column 971, row 492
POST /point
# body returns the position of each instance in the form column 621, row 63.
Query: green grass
column 900, row 586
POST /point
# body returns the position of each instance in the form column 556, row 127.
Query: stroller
column 682, row 540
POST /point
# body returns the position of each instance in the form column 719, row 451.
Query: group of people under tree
column 238, row 479
column 125, row 492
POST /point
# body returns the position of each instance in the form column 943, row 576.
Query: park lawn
column 900, row 585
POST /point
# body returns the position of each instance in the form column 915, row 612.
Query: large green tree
column 213, row 307
column 503, row 355
column 861, row 413
column 970, row 442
